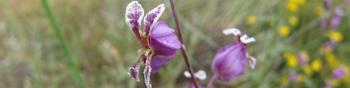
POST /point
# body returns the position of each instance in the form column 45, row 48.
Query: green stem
column 73, row 67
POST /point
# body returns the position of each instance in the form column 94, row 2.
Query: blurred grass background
column 103, row 47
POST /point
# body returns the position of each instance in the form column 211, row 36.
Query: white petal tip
column 162, row 5
column 245, row 39
column 252, row 62
column 231, row 31
column 201, row 75
column 187, row 74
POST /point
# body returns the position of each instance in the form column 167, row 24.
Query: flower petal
column 133, row 15
column 245, row 39
column 234, row 31
column 201, row 75
column 134, row 72
column 158, row 61
column 187, row 74
column 252, row 62
column 230, row 61
column 152, row 17
column 134, row 69
column 147, row 73
column 163, row 39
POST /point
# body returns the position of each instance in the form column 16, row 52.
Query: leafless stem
column 183, row 48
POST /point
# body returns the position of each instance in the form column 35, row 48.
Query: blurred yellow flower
column 332, row 60
column 297, row 2
column 301, row 78
column 319, row 10
column 283, row 31
column 335, row 36
column 316, row 65
column 284, row 80
column 335, row 82
column 347, row 74
column 325, row 50
column 292, row 7
column 251, row 19
column 307, row 69
column 293, row 20
column 300, row 2
column 291, row 59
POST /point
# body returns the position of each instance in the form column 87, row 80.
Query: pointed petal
column 252, row 62
column 245, row 39
column 152, row 17
column 134, row 72
column 234, row 31
column 134, row 69
column 147, row 73
column 133, row 15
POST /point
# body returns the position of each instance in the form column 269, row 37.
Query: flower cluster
column 292, row 7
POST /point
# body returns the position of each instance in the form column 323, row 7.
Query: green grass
column 71, row 60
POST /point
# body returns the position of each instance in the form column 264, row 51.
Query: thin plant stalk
column 212, row 81
column 183, row 48
column 70, row 58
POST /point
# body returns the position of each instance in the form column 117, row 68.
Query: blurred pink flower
column 337, row 16
column 339, row 73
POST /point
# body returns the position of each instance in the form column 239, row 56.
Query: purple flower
column 303, row 58
column 339, row 73
column 328, row 46
column 293, row 76
column 231, row 61
column 158, row 40
column 336, row 17
column 327, row 4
